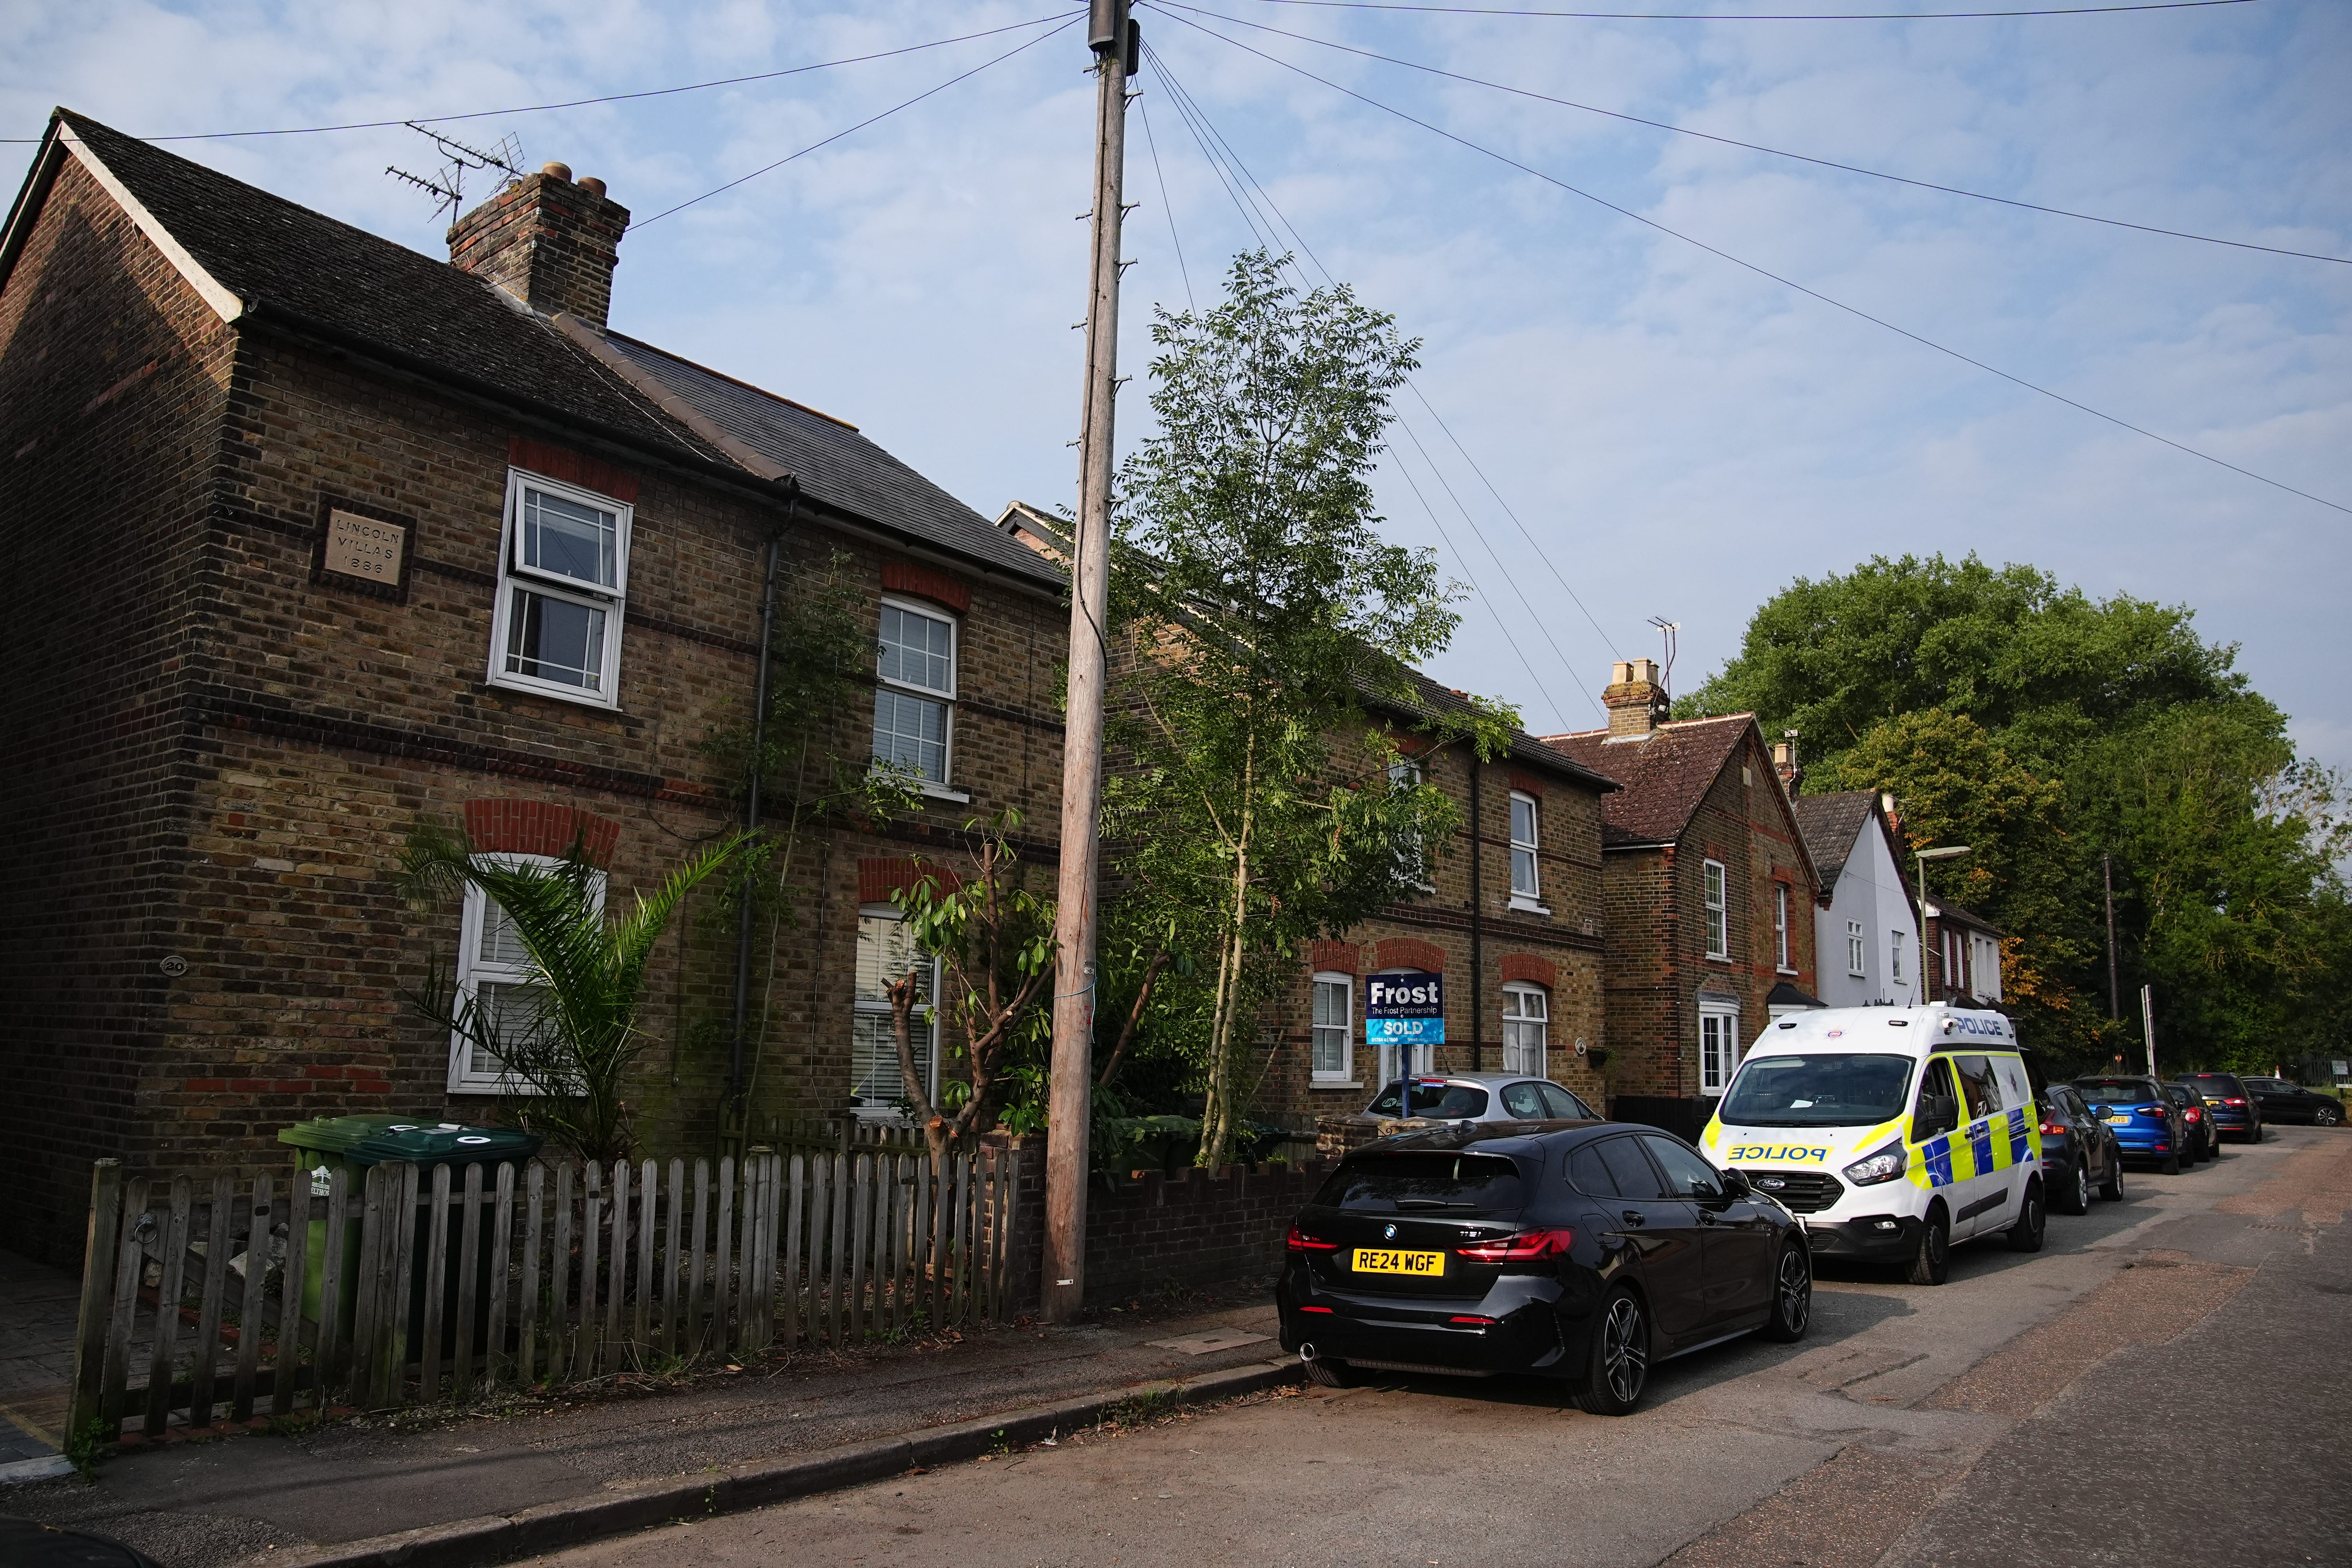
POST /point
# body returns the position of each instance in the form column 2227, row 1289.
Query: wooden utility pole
column 1113, row 37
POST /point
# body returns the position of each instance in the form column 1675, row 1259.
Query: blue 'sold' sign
column 1404, row 1009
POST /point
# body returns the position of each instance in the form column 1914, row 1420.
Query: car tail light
column 1476, row 1322
column 2053, row 1129
column 2157, row 1111
column 2233, row 1100
column 1299, row 1241
column 2194, row 1114
column 1524, row 1247
column 1325, row 1311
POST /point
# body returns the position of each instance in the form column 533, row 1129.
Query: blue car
column 2147, row 1125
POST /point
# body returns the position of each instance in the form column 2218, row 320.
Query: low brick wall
column 1193, row 1228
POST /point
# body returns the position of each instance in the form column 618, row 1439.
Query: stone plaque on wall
column 365, row 548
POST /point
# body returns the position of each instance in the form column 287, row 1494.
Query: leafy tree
column 1257, row 611
column 993, row 939
column 571, row 1037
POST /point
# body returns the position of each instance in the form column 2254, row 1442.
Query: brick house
column 308, row 536
column 1710, row 893
column 1511, row 917
column 1963, row 956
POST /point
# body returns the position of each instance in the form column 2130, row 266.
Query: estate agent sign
column 1405, row 1009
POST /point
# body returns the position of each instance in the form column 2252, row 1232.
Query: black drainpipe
column 1477, row 923
column 751, row 799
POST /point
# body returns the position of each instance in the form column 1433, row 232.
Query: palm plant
column 568, row 1040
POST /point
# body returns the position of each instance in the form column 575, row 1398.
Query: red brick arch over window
column 904, row 577
column 539, row 828
column 1408, row 953
column 1335, row 957
column 879, row 875
column 1527, row 967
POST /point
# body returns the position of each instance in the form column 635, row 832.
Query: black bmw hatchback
column 1585, row 1255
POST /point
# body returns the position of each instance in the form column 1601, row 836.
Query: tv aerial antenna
column 1666, row 629
column 446, row 184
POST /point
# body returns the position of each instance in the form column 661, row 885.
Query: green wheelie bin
column 356, row 1144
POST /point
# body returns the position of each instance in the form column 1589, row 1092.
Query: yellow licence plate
column 1379, row 1260
column 2119, row 1120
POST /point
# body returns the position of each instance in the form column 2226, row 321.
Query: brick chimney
column 1784, row 763
column 1635, row 701
column 549, row 240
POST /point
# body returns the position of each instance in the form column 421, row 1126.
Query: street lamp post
column 1947, row 852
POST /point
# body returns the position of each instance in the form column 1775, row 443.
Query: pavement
column 211, row 1503
column 37, row 1306
column 2163, row 1382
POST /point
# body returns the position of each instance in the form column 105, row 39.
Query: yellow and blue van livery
column 1892, row 1132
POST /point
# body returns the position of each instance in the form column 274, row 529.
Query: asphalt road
column 2165, row 1382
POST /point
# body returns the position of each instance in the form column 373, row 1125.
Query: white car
column 1482, row 1097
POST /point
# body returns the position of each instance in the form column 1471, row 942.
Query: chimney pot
column 548, row 242
column 1784, row 764
column 592, row 184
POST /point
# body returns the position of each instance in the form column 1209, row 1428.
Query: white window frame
column 1781, row 928
column 1984, row 960
column 1715, row 889
column 1527, row 1008
column 513, row 576
column 1527, row 895
column 1344, row 1075
column 1407, row 773
column 472, row 971
column 1894, row 958
column 870, row 1107
column 1719, row 1045
column 943, row 787
column 1857, row 951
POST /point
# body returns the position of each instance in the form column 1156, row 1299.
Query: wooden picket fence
column 211, row 1299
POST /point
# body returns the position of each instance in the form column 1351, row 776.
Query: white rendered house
column 1866, row 933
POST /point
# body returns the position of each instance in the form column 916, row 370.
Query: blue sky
column 1677, row 436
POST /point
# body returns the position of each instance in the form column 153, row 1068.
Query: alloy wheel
column 2082, row 1189
column 1796, row 1286
column 1625, row 1359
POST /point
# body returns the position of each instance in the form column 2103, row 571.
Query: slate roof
column 1664, row 777
column 1832, row 824
column 1952, row 914
column 284, row 259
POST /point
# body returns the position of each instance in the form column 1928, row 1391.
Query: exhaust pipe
column 1306, row 1353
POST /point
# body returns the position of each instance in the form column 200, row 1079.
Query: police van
column 1893, row 1132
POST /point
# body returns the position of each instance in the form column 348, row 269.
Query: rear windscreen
column 1415, row 1183
column 2119, row 1091
column 2213, row 1082
column 1439, row 1101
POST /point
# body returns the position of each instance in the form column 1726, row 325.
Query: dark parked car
column 2147, row 1124
column 2204, row 1139
column 2226, row 1102
column 1583, row 1253
column 2282, row 1102
column 2078, row 1150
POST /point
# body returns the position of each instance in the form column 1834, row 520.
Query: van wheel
column 1932, row 1264
column 2032, row 1219
column 1618, row 1366
column 2112, row 1189
column 1325, row 1372
column 2074, row 1195
column 1792, row 1296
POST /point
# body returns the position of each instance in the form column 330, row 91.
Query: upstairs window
column 1525, row 888
column 1895, row 956
column 1781, row 927
column 1718, row 913
column 914, row 703
column 1412, row 862
column 563, row 571
column 1855, row 949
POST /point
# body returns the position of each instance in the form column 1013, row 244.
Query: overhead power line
column 1790, row 283
column 606, row 97
column 861, row 125
column 1275, row 221
column 1759, row 15
column 1749, row 146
